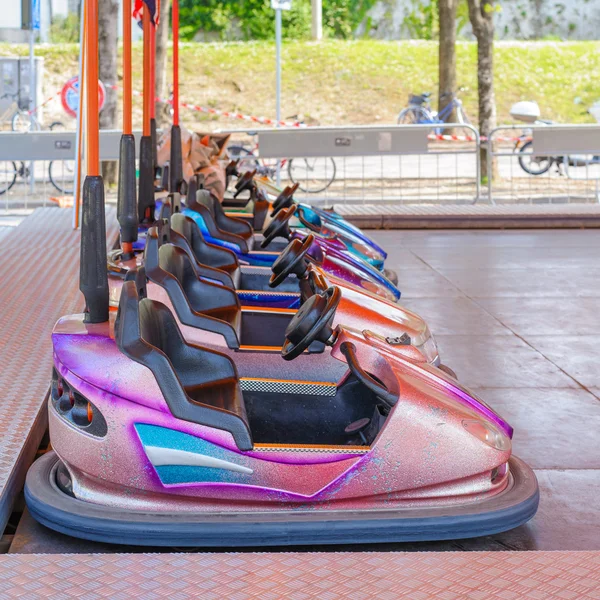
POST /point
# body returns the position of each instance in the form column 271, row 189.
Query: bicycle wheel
column 313, row 175
column 413, row 115
column 61, row 172
column 247, row 159
column 8, row 175
column 534, row 165
column 62, row 175
column 22, row 122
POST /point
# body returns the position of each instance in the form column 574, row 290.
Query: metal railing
column 544, row 164
column 399, row 163
column 36, row 166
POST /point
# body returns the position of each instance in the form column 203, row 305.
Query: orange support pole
column 175, row 19
column 127, row 87
column 93, row 122
column 81, row 120
column 148, row 94
column 153, row 71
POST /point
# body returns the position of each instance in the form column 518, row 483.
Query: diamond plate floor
column 468, row 216
column 308, row 576
column 39, row 274
column 516, row 315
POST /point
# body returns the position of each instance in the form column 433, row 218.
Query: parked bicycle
column 60, row 172
column 533, row 164
column 419, row 111
column 313, row 175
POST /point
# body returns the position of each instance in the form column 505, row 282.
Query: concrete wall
column 518, row 19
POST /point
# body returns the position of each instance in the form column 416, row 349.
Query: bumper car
column 336, row 437
column 324, row 223
column 159, row 442
column 245, row 307
column 239, row 237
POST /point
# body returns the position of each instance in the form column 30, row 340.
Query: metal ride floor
column 304, row 576
column 516, row 315
column 39, row 274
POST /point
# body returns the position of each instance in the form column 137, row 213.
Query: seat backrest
column 205, row 253
column 203, row 206
column 147, row 332
column 203, row 296
column 174, row 275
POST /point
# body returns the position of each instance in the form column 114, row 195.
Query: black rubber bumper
column 275, row 527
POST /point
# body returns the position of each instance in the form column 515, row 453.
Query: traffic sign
column 36, row 15
column 281, row 4
column 69, row 96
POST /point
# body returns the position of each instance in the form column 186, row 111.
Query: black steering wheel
column 285, row 199
column 245, row 182
column 311, row 323
column 278, row 227
column 291, row 260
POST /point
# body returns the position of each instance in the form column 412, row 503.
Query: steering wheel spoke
column 311, row 323
column 291, row 260
column 279, row 226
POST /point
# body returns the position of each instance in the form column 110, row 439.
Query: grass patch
column 363, row 81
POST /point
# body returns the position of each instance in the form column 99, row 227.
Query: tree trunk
column 162, row 39
column 108, row 24
column 447, row 56
column 481, row 15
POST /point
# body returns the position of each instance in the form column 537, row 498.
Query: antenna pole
column 146, row 182
column 126, row 198
column 176, row 166
column 93, row 275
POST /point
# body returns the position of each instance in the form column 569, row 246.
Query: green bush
column 65, row 29
column 255, row 19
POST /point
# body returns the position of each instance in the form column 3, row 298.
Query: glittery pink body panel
column 423, row 454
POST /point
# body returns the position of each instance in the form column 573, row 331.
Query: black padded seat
column 206, row 209
column 199, row 385
column 186, row 234
column 225, row 222
column 198, row 303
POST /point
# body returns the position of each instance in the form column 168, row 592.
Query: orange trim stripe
column 256, row 309
column 261, row 348
column 310, row 447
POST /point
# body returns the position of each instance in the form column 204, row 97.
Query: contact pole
column 176, row 161
column 92, row 118
column 79, row 132
column 278, row 82
column 147, row 26
column 127, row 212
column 175, row 19
column 127, row 78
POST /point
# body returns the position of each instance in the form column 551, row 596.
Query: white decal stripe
column 162, row 457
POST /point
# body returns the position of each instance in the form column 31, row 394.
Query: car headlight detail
column 429, row 350
column 487, row 433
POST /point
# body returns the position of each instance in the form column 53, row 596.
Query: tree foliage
column 254, row 19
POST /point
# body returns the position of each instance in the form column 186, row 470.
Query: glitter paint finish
column 331, row 255
column 422, row 455
column 357, row 310
column 333, row 223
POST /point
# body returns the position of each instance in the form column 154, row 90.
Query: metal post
column 278, row 82
column 31, row 98
column 77, row 178
column 317, row 20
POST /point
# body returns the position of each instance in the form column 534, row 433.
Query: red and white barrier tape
column 297, row 124
column 36, row 108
